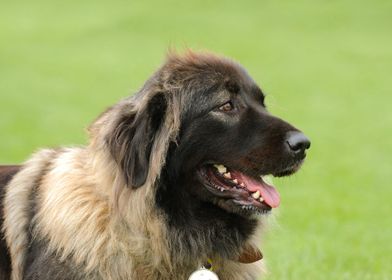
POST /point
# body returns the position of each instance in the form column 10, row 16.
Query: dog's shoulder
column 18, row 184
column 6, row 174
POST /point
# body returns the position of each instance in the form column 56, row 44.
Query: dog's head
column 200, row 133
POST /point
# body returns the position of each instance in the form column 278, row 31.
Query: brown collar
column 250, row 254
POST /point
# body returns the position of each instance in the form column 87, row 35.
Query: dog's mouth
column 235, row 189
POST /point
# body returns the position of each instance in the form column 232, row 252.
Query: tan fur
column 16, row 208
column 87, row 213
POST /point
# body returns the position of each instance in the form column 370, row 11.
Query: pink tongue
column 268, row 192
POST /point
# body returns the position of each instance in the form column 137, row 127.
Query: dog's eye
column 227, row 107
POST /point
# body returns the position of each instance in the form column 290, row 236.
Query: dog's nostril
column 297, row 141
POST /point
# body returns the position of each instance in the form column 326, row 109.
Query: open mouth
column 246, row 192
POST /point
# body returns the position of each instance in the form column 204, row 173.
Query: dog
column 172, row 180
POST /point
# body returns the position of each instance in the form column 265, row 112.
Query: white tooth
column 227, row 175
column 256, row 195
column 261, row 199
column 267, row 179
column 221, row 168
column 235, row 181
column 242, row 185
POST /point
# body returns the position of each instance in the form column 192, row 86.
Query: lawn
column 325, row 65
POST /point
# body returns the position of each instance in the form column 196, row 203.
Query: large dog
column 171, row 180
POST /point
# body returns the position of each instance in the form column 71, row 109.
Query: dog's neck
column 199, row 228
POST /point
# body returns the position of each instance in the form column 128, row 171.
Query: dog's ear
column 133, row 139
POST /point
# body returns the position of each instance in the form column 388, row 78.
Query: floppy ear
column 133, row 138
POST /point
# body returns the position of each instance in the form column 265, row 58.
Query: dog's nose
column 297, row 142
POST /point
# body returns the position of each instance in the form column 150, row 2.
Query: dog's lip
column 249, row 197
column 289, row 170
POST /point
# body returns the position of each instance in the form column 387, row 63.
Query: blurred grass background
column 325, row 65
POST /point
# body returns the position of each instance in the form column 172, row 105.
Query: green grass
column 326, row 67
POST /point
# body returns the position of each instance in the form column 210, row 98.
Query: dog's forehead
column 204, row 79
column 206, row 68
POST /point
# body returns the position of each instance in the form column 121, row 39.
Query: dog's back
column 6, row 174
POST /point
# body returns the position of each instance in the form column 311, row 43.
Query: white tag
column 203, row 274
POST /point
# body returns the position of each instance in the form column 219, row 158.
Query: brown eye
column 227, row 107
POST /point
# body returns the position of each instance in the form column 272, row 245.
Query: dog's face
column 229, row 142
column 226, row 144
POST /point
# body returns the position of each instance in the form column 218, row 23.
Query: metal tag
column 203, row 274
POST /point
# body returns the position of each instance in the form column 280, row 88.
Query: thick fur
column 128, row 205
column 6, row 174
